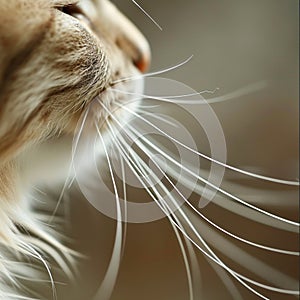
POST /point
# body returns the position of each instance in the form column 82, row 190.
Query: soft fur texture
column 56, row 56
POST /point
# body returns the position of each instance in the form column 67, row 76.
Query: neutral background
column 234, row 43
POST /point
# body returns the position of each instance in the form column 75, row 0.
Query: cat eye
column 75, row 11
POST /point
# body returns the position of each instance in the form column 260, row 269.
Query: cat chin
column 49, row 162
column 115, row 103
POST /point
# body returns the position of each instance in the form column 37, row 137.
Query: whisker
column 179, row 99
column 79, row 133
column 168, row 69
column 67, row 185
column 141, row 146
column 59, row 260
column 226, row 279
column 186, row 262
column 125, row 203
column 257, row 86
column 216, row 260
column 218, row 188
column 12, row 296
column 254, row 87
column 238, row 276
column 147, row 14
column 36, row 255
column 161, row 205
column 253, row 244
column 157, row 117
column 110, row 278
column 69, row 182
column 234, row 207
column 193, row 174
column 258, row 176
column 134, row 166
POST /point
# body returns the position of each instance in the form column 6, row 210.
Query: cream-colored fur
column 56, row 56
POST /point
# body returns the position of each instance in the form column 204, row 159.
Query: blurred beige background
column 234, row 43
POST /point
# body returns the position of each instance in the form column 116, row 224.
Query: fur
column 56, row 56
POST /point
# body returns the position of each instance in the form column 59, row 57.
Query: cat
column 72, row 71
column 56, row 57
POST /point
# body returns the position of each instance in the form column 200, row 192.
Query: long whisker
column 134, row 167
column 238, row 276
column 141, row 146
column 110, row 278
column 12, row 296
column 147, row 14
column 217, row 188
column 37, row 255
column 258, row 176
column 155, row 72
column 266, row 178
column 186, row 262
column 216, row 260
column 78, row 135
column 161, row 205
column 226, row 279
column 230, row 96
column 125, row 203
column 193, row 174
column 68, row 182
column 66, row 185
column 180, row 99
column 185, row 259
column 157, row 117
column 257, row 283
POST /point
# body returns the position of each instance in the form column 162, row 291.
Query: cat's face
column 56, row 56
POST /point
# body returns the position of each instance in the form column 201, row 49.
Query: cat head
column 56, row 57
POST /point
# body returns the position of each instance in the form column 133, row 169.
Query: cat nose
column 136, row 47
column 142, row 60
column 127, row 37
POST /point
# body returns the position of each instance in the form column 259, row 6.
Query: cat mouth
column 126, row 92
column 112, row 105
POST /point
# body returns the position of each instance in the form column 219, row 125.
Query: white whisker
column 147, row 14
column 179, row 99
column 213, row 256
column 254, row 87
column 68, row 182
column 157, row 117
column 191, row 226
column 13, row 297
column 193, row 174
column 125, row 203
column 258, row 176
column 154, row 73
column 110, row 278
column 186, row 256
column 162, row 205
column 141, row 146
column 238, row 276
column 32, row 252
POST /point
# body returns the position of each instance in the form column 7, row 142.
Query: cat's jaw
column 51, row 161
